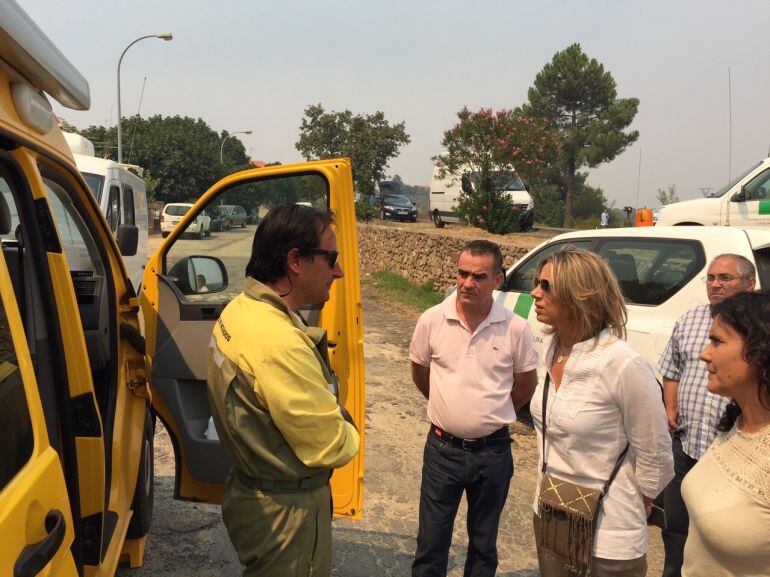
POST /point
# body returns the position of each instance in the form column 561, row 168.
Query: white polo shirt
column 471, row 374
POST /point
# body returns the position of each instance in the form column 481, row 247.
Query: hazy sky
column 257, row 65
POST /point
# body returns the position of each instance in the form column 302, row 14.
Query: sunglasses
column 543, row 284
column 332, row 256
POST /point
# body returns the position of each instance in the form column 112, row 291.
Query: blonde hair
column 584, row 284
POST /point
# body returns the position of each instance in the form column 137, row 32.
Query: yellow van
column 77, row 405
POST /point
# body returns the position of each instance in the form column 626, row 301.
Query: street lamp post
column 164, row 36
column 222, row 147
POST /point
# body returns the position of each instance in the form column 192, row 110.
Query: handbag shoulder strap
column 544, row 419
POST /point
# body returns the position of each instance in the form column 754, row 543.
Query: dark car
column 253, row 217
column 236, row 214
column 397, row 207
column 219, row 219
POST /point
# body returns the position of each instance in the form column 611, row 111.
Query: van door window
column 651, row 271
column 758, row 188
column 762, row 260
column 15, row 424
column 128, row 205
column 113, row 208
column 234, row 247
column 520, row 280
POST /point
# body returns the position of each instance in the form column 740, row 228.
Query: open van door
column 180, row 308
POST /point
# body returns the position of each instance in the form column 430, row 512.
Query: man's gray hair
column 743, row 266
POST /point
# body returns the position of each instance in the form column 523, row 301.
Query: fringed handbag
column 569, row 512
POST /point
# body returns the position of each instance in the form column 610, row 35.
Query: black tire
column 243, row 224
column 145, row 484
column 164, row 234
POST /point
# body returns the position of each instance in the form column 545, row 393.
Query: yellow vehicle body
column 80, row 386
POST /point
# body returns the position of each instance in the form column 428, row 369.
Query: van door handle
column 35, row 557
column 209, row 313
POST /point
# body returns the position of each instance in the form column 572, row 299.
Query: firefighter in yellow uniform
column 269, row 393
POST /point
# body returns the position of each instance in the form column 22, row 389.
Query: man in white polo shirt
column 467, row 353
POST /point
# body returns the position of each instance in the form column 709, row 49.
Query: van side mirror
column 127, row 236
column 739, row 196
column 199, row 275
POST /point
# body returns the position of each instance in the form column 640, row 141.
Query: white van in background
column 121, row 194
column 744, row 201
column 445, row 191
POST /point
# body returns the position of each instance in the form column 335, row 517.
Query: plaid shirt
column 699, row 410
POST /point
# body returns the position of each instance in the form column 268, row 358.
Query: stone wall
column 426, row 254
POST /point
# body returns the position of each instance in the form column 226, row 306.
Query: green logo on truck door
column 523, row 305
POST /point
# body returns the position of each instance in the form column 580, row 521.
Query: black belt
column 500, row 437
column 286, row 486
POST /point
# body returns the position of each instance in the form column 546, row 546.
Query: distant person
column 693, row 411
column 599, row 421
column 475, row 363
column 605, row 218
column 269, row 396
column 728, row 491
column 202, row 288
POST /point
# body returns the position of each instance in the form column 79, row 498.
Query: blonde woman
column 604, row 419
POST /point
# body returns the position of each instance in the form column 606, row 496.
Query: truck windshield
column 95, row 183
column 722, row 191
column 501, row 179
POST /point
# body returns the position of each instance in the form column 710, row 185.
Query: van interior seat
column 624, row 267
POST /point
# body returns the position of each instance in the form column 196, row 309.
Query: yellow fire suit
column 268, row 391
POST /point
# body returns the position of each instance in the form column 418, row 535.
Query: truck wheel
column 145, row 484
column 164, row 234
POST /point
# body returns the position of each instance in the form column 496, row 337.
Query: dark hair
column 481, row 247
column 748, row 314
column 284, row 228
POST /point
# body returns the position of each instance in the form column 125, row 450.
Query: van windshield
column 501, row 179
column 722, row 191
column 95, row 183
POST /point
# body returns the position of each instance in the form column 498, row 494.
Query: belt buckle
column 470, row 444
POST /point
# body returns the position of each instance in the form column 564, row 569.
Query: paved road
column 189, row 540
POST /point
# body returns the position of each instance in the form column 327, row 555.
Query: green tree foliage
column 179, row 154
column 489, row 145
column 578, row 97
column 667, row 196
column 370, row 141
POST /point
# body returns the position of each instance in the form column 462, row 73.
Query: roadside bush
column 491, row 210
column 365, row 211
column 549, row 208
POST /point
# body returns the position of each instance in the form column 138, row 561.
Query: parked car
column 659, row 269
column 172, row 214
column 397, row 207
column 744, row 201
column 219, row 219
column 236, row 214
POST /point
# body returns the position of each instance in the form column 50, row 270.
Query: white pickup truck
column 744, row 201
column 660, row 270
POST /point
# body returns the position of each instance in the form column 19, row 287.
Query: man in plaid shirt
column 693, row 412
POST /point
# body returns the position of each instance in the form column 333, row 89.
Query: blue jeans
column 677, row 519
column 447, row 471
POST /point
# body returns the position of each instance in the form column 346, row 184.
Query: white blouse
column 608, row 397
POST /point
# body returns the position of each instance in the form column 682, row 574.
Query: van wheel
column 164, row 234
column 145, row 484
column 243, row 224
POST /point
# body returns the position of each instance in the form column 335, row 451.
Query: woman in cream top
column 728, row 492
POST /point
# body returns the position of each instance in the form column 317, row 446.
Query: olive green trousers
column 279, row 534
